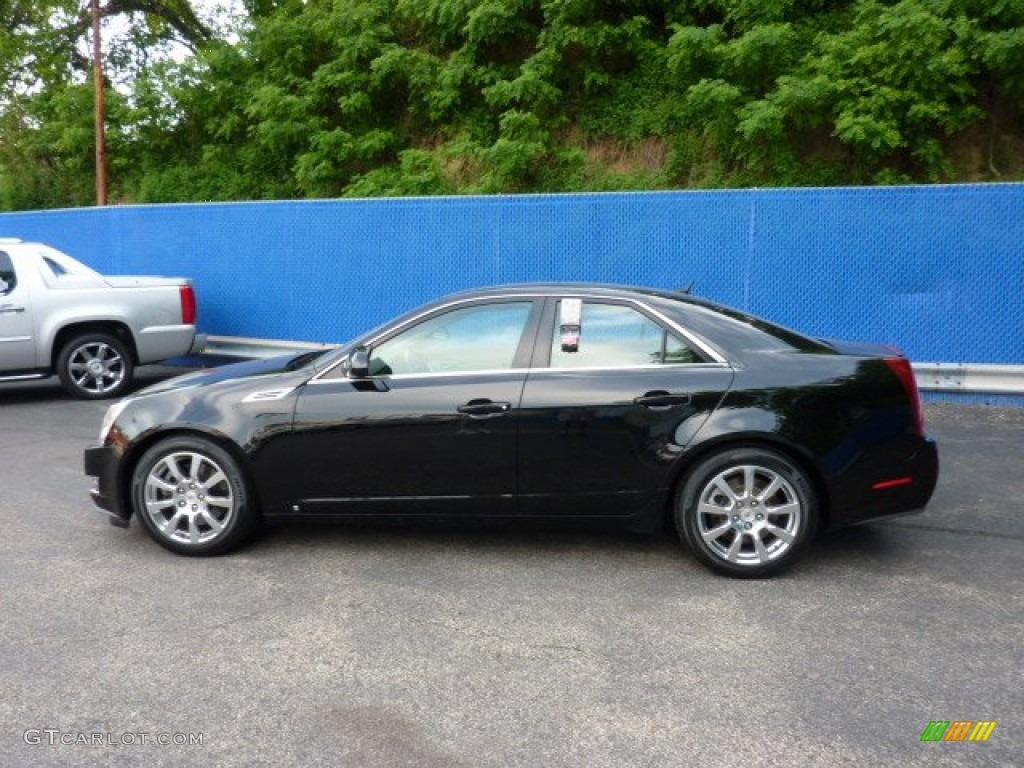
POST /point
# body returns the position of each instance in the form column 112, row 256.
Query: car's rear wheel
column 93, row 366
column 747, row 512
column 192, row 497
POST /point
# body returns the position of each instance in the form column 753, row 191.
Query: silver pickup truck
column 59, row 316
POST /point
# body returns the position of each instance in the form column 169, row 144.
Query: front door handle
column 10, row 309
column 661, row 399
column 484, row 409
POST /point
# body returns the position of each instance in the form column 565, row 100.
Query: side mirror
column 359, row 364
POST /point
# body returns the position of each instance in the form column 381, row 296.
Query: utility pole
column 101, row 136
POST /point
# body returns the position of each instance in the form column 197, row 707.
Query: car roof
column 558, row 287
column 712, row 320
column 578, row 289
column 605, row 290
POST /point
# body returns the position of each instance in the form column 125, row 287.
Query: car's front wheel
column 747, row 512
column 192, row 497
column 94, row 366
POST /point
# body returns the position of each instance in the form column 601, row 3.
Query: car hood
column 254, row 369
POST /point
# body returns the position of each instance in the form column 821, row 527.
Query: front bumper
column 101, row 462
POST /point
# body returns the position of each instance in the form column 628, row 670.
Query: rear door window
column 614, row 336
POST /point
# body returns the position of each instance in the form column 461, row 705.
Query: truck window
column 56, row 268
column 8, row 280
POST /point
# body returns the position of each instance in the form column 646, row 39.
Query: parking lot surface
column 371, row 646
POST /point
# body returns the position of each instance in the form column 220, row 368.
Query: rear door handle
column 10, row 309
column 661, row 399
column 484, row 409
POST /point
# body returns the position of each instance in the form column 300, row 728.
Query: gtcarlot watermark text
column 53, row 736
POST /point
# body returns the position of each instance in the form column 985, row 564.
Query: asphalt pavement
column 369, row 646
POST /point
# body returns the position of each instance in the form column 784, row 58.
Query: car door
column 17, row 346
column 614, row 395
column 431, row 429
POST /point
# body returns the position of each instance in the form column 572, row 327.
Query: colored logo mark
column 958, row 730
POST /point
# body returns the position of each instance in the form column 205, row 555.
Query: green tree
column 324, row 98
column 46, row 123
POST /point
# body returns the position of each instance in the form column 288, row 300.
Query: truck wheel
column 94, row 366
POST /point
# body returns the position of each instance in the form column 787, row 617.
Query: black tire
column 747, row 512
column 94, row 366
column 193, row 498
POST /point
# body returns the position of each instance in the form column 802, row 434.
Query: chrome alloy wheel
column 188, row 498
column 96, row 367
column 749, row 515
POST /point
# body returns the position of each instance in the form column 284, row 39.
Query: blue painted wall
column 936, row 270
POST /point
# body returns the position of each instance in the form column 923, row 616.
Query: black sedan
column 562, row 402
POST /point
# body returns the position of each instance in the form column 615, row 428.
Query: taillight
column 188, row 305
column 901, row 367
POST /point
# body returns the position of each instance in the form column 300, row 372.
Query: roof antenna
column 688, row 290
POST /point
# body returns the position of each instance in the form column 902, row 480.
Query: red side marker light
column 892, row 483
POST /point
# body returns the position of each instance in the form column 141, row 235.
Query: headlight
column 111, row 416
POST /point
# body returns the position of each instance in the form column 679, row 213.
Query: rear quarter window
column 736, row 331
column 55, row 268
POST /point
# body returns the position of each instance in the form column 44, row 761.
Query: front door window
column 477, row 338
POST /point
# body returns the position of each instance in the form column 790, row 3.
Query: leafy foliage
column 324, row 98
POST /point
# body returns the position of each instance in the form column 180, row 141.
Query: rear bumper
column 897, row 481
column 163, row 342
column 101, row 462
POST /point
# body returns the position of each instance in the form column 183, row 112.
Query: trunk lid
column 861, row 348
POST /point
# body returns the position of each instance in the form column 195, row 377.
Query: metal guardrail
column 242, row 348
column 975, row 378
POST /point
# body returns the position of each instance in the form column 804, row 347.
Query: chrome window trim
column 528, row 371
column 647, row 367
column 717, row 359
column 435, row 375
